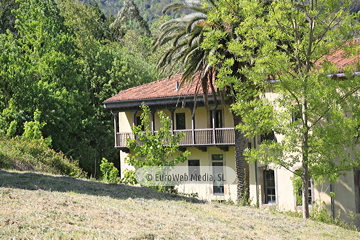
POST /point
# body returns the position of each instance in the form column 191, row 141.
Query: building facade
column 210, row 137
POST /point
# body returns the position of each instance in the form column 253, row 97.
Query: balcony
column 219, row 137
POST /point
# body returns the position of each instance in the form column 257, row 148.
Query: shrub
column 108, row 171
column 25, row 155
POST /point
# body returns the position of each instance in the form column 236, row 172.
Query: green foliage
column 12, row 129
column 108, row 171
column 21, row 154
column 129, row 177
column 32, row 130
column 7, row 19
column 297, row 185
column 320, row 213
column 283, row 46
column 63, row 62
column 154, row 149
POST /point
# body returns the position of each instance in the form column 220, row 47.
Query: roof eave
column 132, row 104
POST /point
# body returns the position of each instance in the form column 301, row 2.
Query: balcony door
column 218, row 121
column 180, row 121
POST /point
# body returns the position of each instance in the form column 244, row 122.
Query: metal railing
column 198, row 137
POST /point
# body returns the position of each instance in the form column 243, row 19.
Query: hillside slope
column 24, row 155
column 39, row 206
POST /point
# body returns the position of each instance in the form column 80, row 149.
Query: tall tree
column 44, row 73
column 64, row 62
column 106, row 68
column 190, row 52
column 289, row 46
column 182, row 38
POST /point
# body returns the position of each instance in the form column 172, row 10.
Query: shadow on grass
column 38, row 181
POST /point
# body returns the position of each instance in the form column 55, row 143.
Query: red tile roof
column 342, row 59
column 166, row 88
column 159, row 89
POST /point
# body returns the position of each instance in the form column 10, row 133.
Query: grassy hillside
column 40, row 206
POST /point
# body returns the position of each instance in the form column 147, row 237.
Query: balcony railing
column 198, row 137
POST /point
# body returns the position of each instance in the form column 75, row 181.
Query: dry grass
column 38, row 206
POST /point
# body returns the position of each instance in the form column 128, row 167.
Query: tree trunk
column 305, row 191
column 305, row 156
column 241, row 165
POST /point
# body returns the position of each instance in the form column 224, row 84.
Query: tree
column 64, row 62
column 32, row 130
column 7, row 19
column 182, row 38
column 198, row 45
column 153, row 149
column 289, row 44
column 44, row 73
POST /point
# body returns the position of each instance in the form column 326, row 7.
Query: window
column 180, row 121
column 357, row 189
column 138, row 123
column 297, row 182
column 269, row 137
column 194, row 169
column 218, row 157
column 309, row 192
column 269, row 186
column 218, row 119
column 296, row 114
column 218, row 170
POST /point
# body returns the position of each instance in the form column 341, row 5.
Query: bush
column 25, row 155
column 320, row 213
column 109, row 172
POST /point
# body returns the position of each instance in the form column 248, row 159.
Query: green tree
column 64, row 62
column 108, row 171
column 46, row 72
column 7, row 19
column 197, row 44
column 32, row 130
column 154, row 149
column 182, row 37
column 289, row 44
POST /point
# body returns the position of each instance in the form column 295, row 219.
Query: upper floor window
column 269, row 137
column 138, row 123
column 180, row 121
column 218, row 119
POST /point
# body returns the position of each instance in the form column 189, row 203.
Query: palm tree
column 183, row 37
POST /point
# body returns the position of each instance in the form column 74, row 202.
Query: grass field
column 41, row 206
